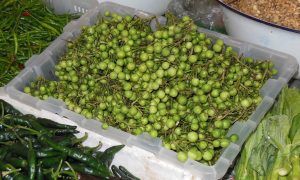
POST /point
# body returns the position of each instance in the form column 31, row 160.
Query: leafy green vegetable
column 261, row 156
column 276, row 131
column 243, row 167
column 295, row 174
column 272, row 151
column 290, row 102
column 295, row 129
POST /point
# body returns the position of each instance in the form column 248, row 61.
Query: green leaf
column 282, row 165
column 277, row 130
column 296, row 150
column 262, row 157
column 295, row 128
column 108, row 155
column 255, row 159
column 243, row 169
column 288, row 103
column 268, row 156
column 291, row 102
column 295, row 161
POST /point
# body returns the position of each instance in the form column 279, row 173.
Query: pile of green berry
column 175, row 83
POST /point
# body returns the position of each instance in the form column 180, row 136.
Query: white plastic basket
column 43, row 65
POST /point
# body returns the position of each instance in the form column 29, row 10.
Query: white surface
column 157, row 7
column 139, row 162
column 258, row 33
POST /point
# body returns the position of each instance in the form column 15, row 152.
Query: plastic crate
column 43, row 65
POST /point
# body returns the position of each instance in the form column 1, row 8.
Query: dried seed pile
column 281, row 12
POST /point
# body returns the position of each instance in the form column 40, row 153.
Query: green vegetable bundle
column 26, row 28
column 175, row 83
column 38, row 148
column 273, row 151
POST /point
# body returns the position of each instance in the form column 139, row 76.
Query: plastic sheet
column 206, row 13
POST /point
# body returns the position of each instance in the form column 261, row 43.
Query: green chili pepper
column 13, row 173
column 68, row 141
column 25, row 120
column 19, row 149
column 8, row 3
column 82, row 168
column 17, row 162
column 21, row 17
column 76, row 140
column 31, row 158
column 3, row 152
column 75, row 154
column 15, row 176
column 7, row 136
column 10, row 135
column 118, row 173
column 127, row 173
column 17, row 120
column 45, row 25
column 122, row 173
column 61, row 140
column 71, row 140
column 109, row 154
column 63, row 131
column 89, row 150
column 16, row 42
column 97, row 154
column 51, row 124
column 6, row 108
column 44, row 153
column 52, row 161
column 3, row 166
column 39, row 173
column 34, row 141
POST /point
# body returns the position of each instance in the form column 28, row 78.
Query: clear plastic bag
column 206, row 13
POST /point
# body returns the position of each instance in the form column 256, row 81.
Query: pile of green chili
column 26, row 28
column 38, row 148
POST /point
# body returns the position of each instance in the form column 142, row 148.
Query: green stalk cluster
column 175, row 83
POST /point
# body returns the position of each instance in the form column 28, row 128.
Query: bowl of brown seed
column 271, row 23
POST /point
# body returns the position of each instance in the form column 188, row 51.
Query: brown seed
column 281, row 12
